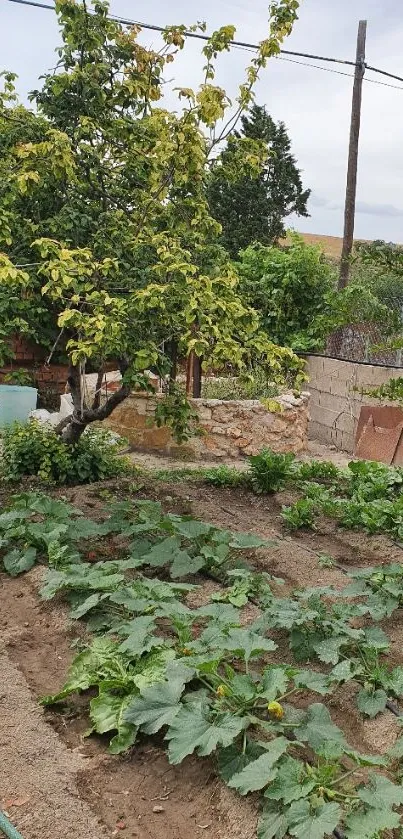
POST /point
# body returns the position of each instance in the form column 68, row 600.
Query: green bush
column 270, row 471
column 35, row 449
column 289, row 287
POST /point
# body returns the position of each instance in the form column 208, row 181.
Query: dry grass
column 331, row 245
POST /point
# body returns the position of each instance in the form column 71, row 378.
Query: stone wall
column 230, row 429
column 336, row 400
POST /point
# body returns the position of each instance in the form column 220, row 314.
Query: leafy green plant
column 390, row 391
column 380, row 587
column 290, row 286
column 299, row 515
column 177, row 413
column 374, row 481
column 35, row 449
column 318, row 470
column 325, row 561
column 270, row 471
column 36, row 525
column 19, row 377
column 200, row 675
column 226, row 476
column 247, row 586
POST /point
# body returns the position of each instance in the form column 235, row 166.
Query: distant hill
column 331, row 245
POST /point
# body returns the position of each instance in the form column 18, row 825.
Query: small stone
column 158, row 809
column 121, row 825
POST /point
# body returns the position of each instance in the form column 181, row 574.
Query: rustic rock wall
column 230, row 429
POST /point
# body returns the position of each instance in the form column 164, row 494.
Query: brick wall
column 335, row 404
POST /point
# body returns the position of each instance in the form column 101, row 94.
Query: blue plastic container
column 16, row 403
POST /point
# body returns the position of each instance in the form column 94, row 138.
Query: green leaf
column 157, row 706
column 272, row 824
column 381, row 792
column 87, row 668
column 261, row 771
column 371, row 702
column 319, row 730
column 89, row 603
column 151, row 668
column 139, row 636
column 193, row 529
column 274, row 682
column 307, row 824
column 245, row 643
column 122, row 741
column 248, row 540
column 86, row 529
column 375, row 637
column 184, row 564
column 328, row 650
column 366, row 760
column 243, row 686
column 194, row 729
column 107, row 713
column 162, row 553
column 221, row 613
column 343, row 672
column 291, row 782
column 396, row 752
column 17, row 561
column 231, row 761
column 396, row 681
column 309, row 679
column 366, row 824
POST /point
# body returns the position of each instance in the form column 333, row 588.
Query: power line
column 244, row 45
column 328, row 70
column 153, row 27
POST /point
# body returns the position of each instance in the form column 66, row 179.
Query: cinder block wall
column 335, row 404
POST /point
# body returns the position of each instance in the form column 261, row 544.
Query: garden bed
column 139, row 793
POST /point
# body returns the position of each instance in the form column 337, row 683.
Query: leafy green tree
column 123, row 250
column 252, row 207
column 294, row 290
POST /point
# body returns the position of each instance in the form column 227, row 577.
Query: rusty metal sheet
column 385, row 416
column 379, row 436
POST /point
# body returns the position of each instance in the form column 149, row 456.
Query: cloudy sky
column 315, row 105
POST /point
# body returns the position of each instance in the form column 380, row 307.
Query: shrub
column 35, row 449
column 289, row 287
column 269, row 471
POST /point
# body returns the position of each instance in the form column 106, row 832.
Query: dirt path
column 318, row 451
column 38, row 773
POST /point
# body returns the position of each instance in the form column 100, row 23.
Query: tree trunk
column 174, row 363
column 197, row 377
column 74, row 426
column 189, row 373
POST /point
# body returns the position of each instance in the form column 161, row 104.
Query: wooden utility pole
column 351, row 188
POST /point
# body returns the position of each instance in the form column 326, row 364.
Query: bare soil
column 55, row 783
